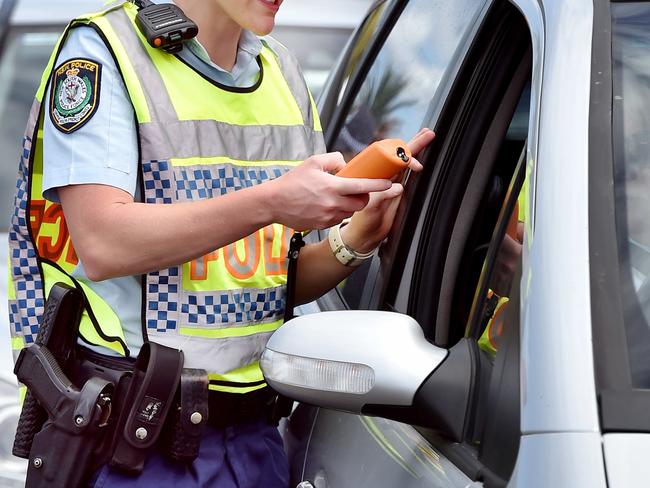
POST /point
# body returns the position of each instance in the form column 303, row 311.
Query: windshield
column 631, row 138
column 24, row 57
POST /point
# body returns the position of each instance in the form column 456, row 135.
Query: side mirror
column 373, row 363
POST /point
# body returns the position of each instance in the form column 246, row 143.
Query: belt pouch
column 150, row 396
column 185, row 423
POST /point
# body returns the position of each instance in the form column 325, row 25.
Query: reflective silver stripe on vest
column 166, row 137
column 295, row 80
column 210, row 138
column 162, row 110
column 233, row 352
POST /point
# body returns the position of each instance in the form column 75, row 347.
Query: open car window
column 352, row 60
column 396, row 94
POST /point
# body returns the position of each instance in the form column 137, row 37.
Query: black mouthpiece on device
column 401, row 153
column 165, row 26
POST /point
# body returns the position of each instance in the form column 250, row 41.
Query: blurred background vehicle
column 29, row 29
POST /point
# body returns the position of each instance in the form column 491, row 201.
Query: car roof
column 310, row 13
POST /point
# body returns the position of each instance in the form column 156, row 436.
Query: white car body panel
column 626, row 458
column 560, row 460
column 558, row 389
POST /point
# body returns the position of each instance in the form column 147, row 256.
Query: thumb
column 331, row 162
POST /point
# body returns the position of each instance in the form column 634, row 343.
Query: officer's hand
column 370, row 226
column 310, row 197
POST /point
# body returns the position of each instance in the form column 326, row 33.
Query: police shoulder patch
column 75, row 93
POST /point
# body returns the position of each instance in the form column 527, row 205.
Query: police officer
column 178, row 178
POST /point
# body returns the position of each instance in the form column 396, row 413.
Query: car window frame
column 449, row 115
column 392, row 252
column 466, row 455
column 400, row 255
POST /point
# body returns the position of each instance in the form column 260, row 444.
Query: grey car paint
column 561, row 440
column 381, row 453
column 558, row 388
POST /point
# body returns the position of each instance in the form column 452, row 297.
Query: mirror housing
column 347, row 360
column 374, row 363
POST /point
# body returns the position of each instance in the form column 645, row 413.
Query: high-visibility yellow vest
column 489, row 340
column 198, row 140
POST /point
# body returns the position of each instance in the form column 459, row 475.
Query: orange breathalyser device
column 381, row 159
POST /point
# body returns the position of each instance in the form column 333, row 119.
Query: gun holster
column 117, row 415
column 64, row 447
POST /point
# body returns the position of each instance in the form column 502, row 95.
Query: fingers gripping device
column 382, row 160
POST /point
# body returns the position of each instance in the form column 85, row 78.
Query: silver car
column 500, row 336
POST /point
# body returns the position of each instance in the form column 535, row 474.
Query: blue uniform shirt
column 105, row 150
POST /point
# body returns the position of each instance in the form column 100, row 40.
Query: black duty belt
column 238, row 408
column 224, row 408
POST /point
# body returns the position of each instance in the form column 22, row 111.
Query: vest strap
column 295, row 80
column 162, row 111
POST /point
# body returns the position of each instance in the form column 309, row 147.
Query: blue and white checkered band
column 26, row 310
column 164, row 183
column 169, row 306
column 210, row 310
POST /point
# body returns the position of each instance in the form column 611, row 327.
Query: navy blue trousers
column 243, row 456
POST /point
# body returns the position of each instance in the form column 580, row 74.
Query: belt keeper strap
column 194, row 400
column 186, row 424
column 151, row 394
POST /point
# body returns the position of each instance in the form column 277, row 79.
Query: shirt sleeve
column 103, row 150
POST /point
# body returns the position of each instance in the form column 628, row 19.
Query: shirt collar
column 248, row 43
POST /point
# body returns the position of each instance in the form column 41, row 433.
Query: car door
column 446, row 253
